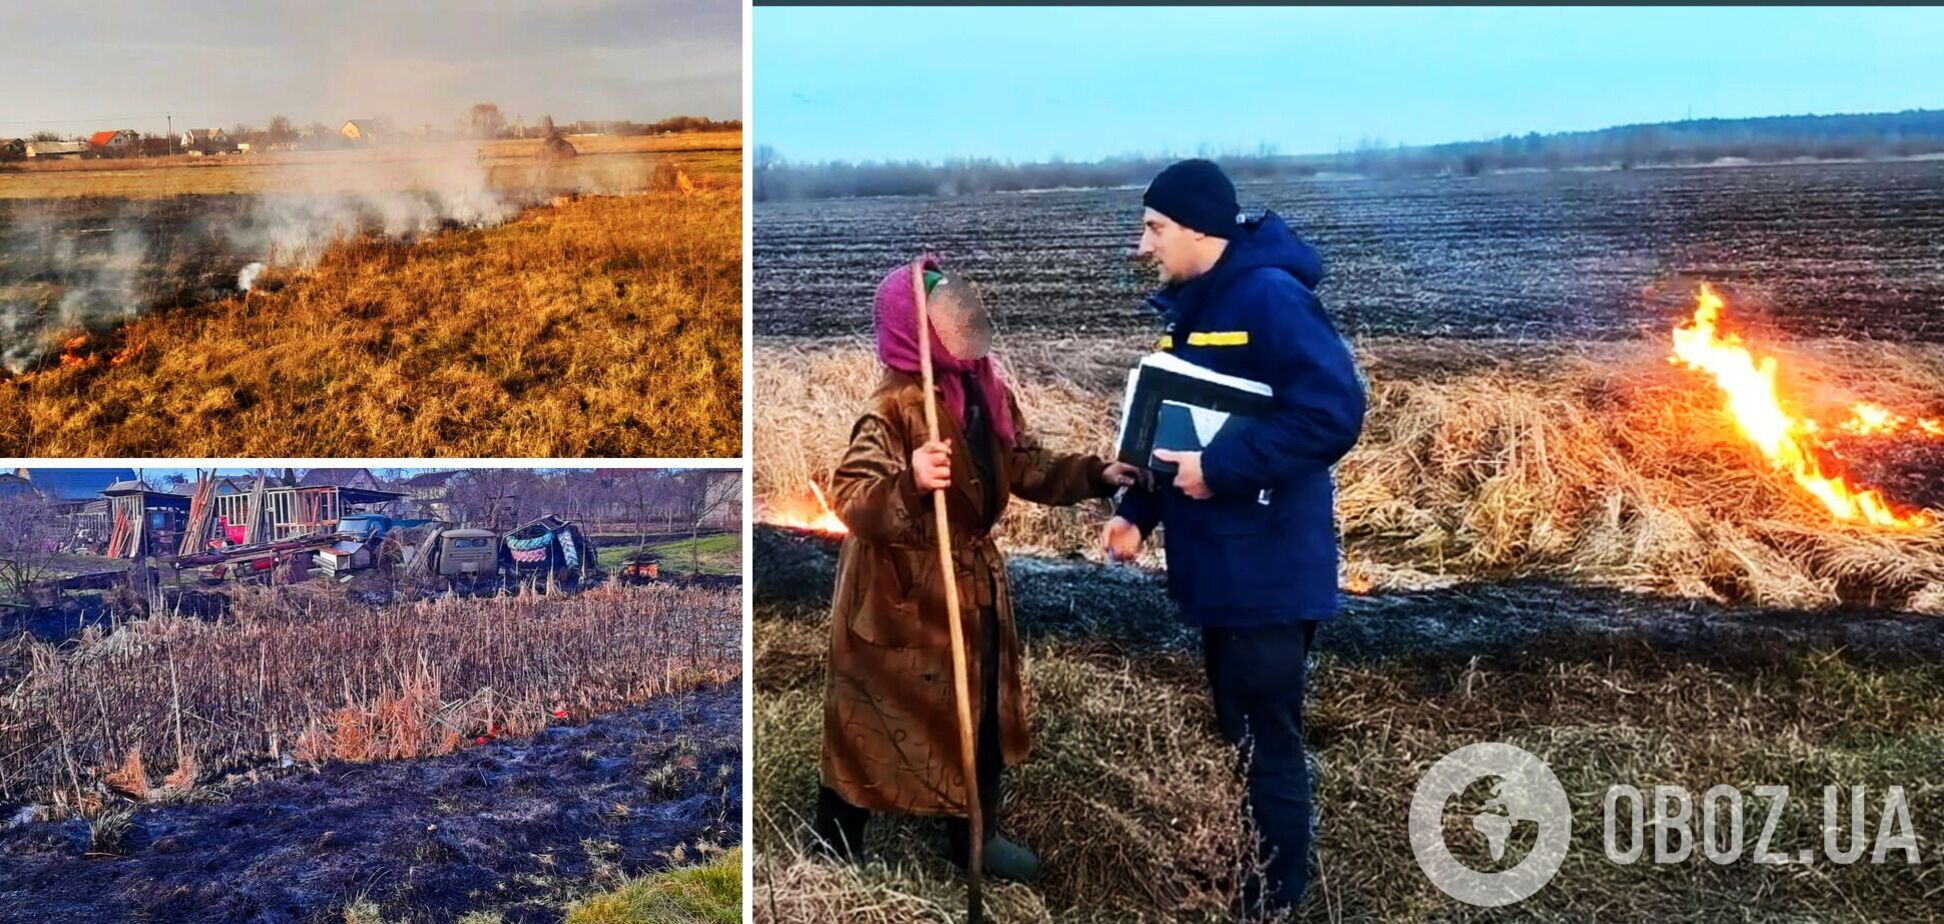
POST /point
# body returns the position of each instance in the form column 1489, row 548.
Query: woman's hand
column 931, row 465
column 1121, row 474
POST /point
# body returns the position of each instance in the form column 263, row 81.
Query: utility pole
column 171, row 117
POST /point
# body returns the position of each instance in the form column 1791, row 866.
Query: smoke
column 90, row 263
column 71, row 267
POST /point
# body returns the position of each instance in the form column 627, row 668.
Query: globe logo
column 1523, row 802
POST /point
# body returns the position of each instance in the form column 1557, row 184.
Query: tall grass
column 306, row 675
column 1593, row 463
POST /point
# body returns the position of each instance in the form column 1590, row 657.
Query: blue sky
column 1030, row 84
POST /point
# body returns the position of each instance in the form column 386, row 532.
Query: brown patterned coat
column 890, row 738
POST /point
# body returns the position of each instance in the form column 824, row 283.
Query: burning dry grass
column 602, row 326
column 1128, row 797
column 302, row 673
column 1598, row 463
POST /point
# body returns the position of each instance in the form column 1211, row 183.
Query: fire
column 68, row 356
column 1788, row 442
column 1868, row 419
column 129, row 352
column 813, row 513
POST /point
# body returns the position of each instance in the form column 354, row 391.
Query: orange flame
column 1788, row 442
column 68, row 346
column 129, row 352
column 811, row 513
column 1868, row 419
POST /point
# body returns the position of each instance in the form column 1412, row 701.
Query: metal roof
column 75, row 484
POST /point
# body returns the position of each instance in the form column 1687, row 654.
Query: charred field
column 1553, row 535
column 1821, row 249
column 500, row 758
column 441, row 302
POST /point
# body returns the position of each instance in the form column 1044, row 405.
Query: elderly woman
column 890, row 741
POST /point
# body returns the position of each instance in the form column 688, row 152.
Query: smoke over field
column 412, row 304
column 83, row 250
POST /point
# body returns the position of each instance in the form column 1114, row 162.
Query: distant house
column 115, row 142
column 72, row 487
column 206, row 141
column 430, row 493
column 366, row 131
column 56, row 149
column 343, row 478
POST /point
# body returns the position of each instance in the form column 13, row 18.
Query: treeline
column 1696, row 141
column 779, row 180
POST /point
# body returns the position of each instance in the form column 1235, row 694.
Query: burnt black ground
column 1815, row 250
column 501, row 826
column 1082, row 600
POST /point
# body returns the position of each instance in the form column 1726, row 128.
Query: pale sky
column 1083, row 83
column 99, row 64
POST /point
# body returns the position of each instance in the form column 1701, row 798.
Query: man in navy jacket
column 1252, row 539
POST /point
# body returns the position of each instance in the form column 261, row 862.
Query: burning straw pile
column 1601, row 463
column 307, row 676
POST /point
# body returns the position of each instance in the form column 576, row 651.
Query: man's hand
column 1188, row 473
column 1122, row 539
column 931, row 465
column 1121, row 474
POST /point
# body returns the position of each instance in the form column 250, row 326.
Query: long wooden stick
column 968, row 741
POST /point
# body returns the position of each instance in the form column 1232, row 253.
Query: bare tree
column 491, row 497
column 485, row 121
column 700, row 495
column 30, row 539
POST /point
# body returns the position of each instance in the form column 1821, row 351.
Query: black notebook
column 1174, row 404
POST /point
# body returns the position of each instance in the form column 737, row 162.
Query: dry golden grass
column 1128, row 799
column 1597, row 463
column 602, row 326
column 399, row 167
column 1163, row 834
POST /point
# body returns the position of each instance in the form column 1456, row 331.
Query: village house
column 115, row 143
column 205, row 141
column 56, row 149
column 366, row 131
column 430, row 493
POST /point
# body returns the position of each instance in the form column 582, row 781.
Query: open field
column 600, row 326
column 506, row 755
column 1817, row 250
column 401, row 301
column 718, row 554
column 509, row 166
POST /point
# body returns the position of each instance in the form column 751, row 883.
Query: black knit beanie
column 1196, row 194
